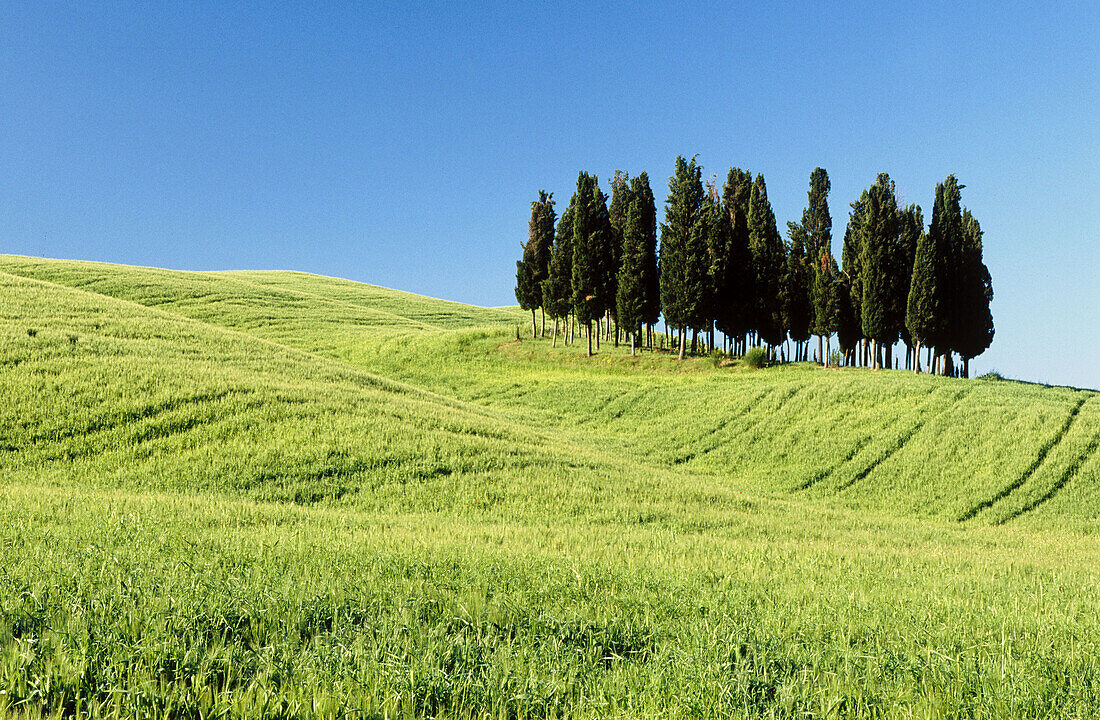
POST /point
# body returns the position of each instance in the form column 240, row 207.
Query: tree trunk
column 534, row 326
column 590, row 338
column 682, row 338
column 966, row 368
column 542, row 315
column 632, row 344
column 554, row 342
column 916, row 358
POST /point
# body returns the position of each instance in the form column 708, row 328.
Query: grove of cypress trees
column 769, row 265
column 879, row 263
column 532, row 270
column 591, row 231
column 683, row 269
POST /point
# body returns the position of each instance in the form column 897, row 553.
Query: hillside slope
column 275, row 494
column 978, row 451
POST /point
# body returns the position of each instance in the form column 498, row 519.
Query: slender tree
column 557, row 289
column 798, row 305
column 769, row 265
column 591, row 231
column 531, row 271
column 818, row 226
column 974, row 291
column 683, row 270
column 642, row 195
column 616, row 212
column 911, row 227
column 927, row 305
column 735, row 306
column 850, row 258
column 630, row 302
column 848, row 332
column 881, row 314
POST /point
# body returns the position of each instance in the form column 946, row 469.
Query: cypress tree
column 848, row 332
column 926, row 304
column 683, row 271
column 818, row 226
column 642, row 196
column 557, row 289
column 850, row 258
column 703, row 240
column 591, row 231
column 735, row 307
column 911, row 227
column 630, row 300
column 932, row 302
column 974, row 332
column 798, row 307
column 616, row 213
column 769, row 264
column 880, row 313
column 532, row 270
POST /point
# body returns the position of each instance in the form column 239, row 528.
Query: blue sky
column 401, row 144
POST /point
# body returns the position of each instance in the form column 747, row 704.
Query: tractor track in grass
column 629, row 400
column 855, row 450
column 902, row 440
column 1044, row 450
column 826, row 472
column 741, row 412
column 1066, row 476
column 744, row 410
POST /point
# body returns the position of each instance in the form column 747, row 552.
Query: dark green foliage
column 735, row 299
column 769, row 264
column 974, row 291
column 647, row 220
column 557, row 289
column 704, row 238
column 528, row 292
column 616, row 214
column 591, row 239
column 683, row 247
column 798, row 307
column 533, row 268
column 818, row 226
column 848, row 331
column 910, row 230
column 851, row 260
column 880, row 263
column 630, row 300
column 930, row 301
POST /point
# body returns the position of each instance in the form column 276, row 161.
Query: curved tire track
column 1028, row 472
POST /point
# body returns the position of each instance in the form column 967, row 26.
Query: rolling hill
column 281, row 494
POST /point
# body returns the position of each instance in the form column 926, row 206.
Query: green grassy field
column 274, row 494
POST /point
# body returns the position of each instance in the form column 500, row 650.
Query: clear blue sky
column 401, row 144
